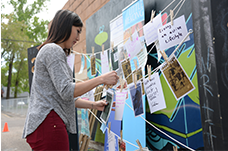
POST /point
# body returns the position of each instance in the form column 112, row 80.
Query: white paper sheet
column 133, row 47
column 151, row 28
column 104, row 62
column 171, row 35
column 120, row 103
column 154, row 93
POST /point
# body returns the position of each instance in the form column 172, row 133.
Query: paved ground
column 12, row 140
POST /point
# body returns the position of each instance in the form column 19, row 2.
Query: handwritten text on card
column 171, row 35
column 154, row 93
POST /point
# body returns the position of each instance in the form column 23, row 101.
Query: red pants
column 51, row 135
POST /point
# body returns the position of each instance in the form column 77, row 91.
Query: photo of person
column 114, row 58
column 139, row 77
column 107, row 110
column 136, row 98
column 177, row 79
column 126, row 66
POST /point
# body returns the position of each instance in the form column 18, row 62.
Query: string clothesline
column 154, row 70
column 144, row 118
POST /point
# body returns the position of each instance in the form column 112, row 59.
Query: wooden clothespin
column 136, row 66
column 121, row 83
column 112, row 46
column 135, row 80
column 109, row 126
column 139, row 144
column 171, row 16
column 121, row 135
column 165, row 56
column 130, row 33
column 149, row 70
column 103, row 49
column 92, row 50
column 152, row 16
column 175, row 148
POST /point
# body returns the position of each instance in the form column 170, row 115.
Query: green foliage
column 20, row 30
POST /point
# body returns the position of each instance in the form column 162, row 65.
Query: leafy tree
column 20, row 30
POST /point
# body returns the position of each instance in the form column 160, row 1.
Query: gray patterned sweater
column 52, row 88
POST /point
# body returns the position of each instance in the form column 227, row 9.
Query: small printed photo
column 93, row 64
column 122, row 53
column 114, row 58
column 177, row 79
column 107, row 110
column 139, row 77
column 136, row 98
column 126, row 66
column 122, row 145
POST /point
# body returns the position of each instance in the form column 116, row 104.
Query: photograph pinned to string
column 114, row 58
column 139, row 74
column 107, row 110
column 127, row 72
column 176, row 77
column 136, row 98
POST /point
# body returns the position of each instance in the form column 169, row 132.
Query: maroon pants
column 51, row 135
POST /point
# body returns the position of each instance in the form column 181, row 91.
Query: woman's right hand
column 110, row 78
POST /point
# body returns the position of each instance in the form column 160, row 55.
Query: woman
column 51, row 110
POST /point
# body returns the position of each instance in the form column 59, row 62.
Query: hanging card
column 151, row 28
column 154, row 93
column 171, row 35
column 177, row 79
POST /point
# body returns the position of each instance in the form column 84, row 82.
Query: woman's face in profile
column 74, row 37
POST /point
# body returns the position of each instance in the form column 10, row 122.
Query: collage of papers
column 127, row 55
column 121, row 56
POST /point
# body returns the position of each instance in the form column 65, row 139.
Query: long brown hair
column 61, row 26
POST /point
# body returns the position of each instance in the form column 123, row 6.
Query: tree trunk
column 17, row 78
column 9, row 77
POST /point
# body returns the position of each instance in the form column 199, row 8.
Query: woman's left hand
column 99, row 105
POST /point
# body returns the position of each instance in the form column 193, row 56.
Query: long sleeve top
column 52, row 89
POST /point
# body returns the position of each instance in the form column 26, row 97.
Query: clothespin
column 171, row 16
column 175, row 148
column 103, row 49
column 130, row 33
column 135, row 79
column 139, row 144
column 92, row 50
column 121, row 83
column 112, row 46
column 149, row 70
column 165, row 56
column 121, row 135
column 109, row 126
column 136, row 66
column 152, row 16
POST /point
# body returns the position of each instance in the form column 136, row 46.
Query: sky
column 53, row 6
